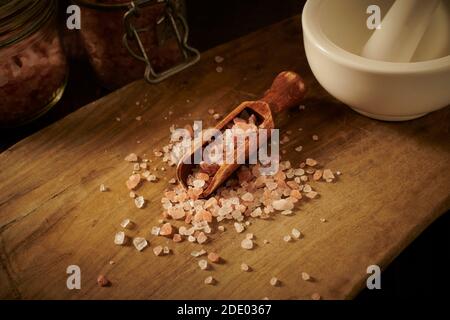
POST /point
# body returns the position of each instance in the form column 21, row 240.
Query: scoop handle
column 287, row 91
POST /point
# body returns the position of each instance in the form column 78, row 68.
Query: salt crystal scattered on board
column 155, row 231
column 245, row 267
column 210, row 280
column 103, row 281
column 127, row 224
column 328, row 174
column 203, row 264
column 177, row 238
column 103, row 188
column 316, row 296
column 239, row 227
column 311, row 162
column 133, row 181
column 218, row 59
column 213, row 257
column 120, row 238
column 296, row 233
column 139, row 202
column 158, row 250
column 140, row 243
column 311, row 195
column 274, row 281
column 202, row 238
column 247, row 244
column 132, row 157
column 306, row 276
column 166, row 229
column 198, row 253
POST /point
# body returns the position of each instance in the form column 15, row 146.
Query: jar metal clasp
column 190, row 54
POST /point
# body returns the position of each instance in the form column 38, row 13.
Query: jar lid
column 21, row 18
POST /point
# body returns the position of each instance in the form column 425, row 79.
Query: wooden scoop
column 287, row 90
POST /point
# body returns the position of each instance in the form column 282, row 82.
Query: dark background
column 420, row 271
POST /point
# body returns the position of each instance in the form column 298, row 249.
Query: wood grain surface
column 395, row 182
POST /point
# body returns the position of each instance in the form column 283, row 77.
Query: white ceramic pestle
column 401, row 31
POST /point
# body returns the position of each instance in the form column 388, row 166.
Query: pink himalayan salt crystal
column 177, row 238
column 274, row 282
column 305, row 276
column 218, row 59
column 210, row 280
column 158, row 250
column 271, row 185
column 296, row 233
column 316, row 296
column 203, row 264
column 311, row 162
column 247, row 244
column 202, row 176
column 198, row 183
column 247, row 196
column 120, row 238
column 132, row 157
column 166, row 229
column 133, row 181
column 311, row 194
column 176, row 213
column 317, row 175
column 245, row 267
column 213, row 257
column 239, row 227
column 328, row 174
column 282, row 205
column 140, row 243
column 210, row 169
column 202, row 238
column 139, row 202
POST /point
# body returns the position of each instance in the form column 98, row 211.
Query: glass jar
column 33, row 67
column 126, row 41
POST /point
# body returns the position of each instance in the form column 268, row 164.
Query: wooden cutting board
column 395, row 182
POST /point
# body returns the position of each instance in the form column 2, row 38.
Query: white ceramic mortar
column 334, row 33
